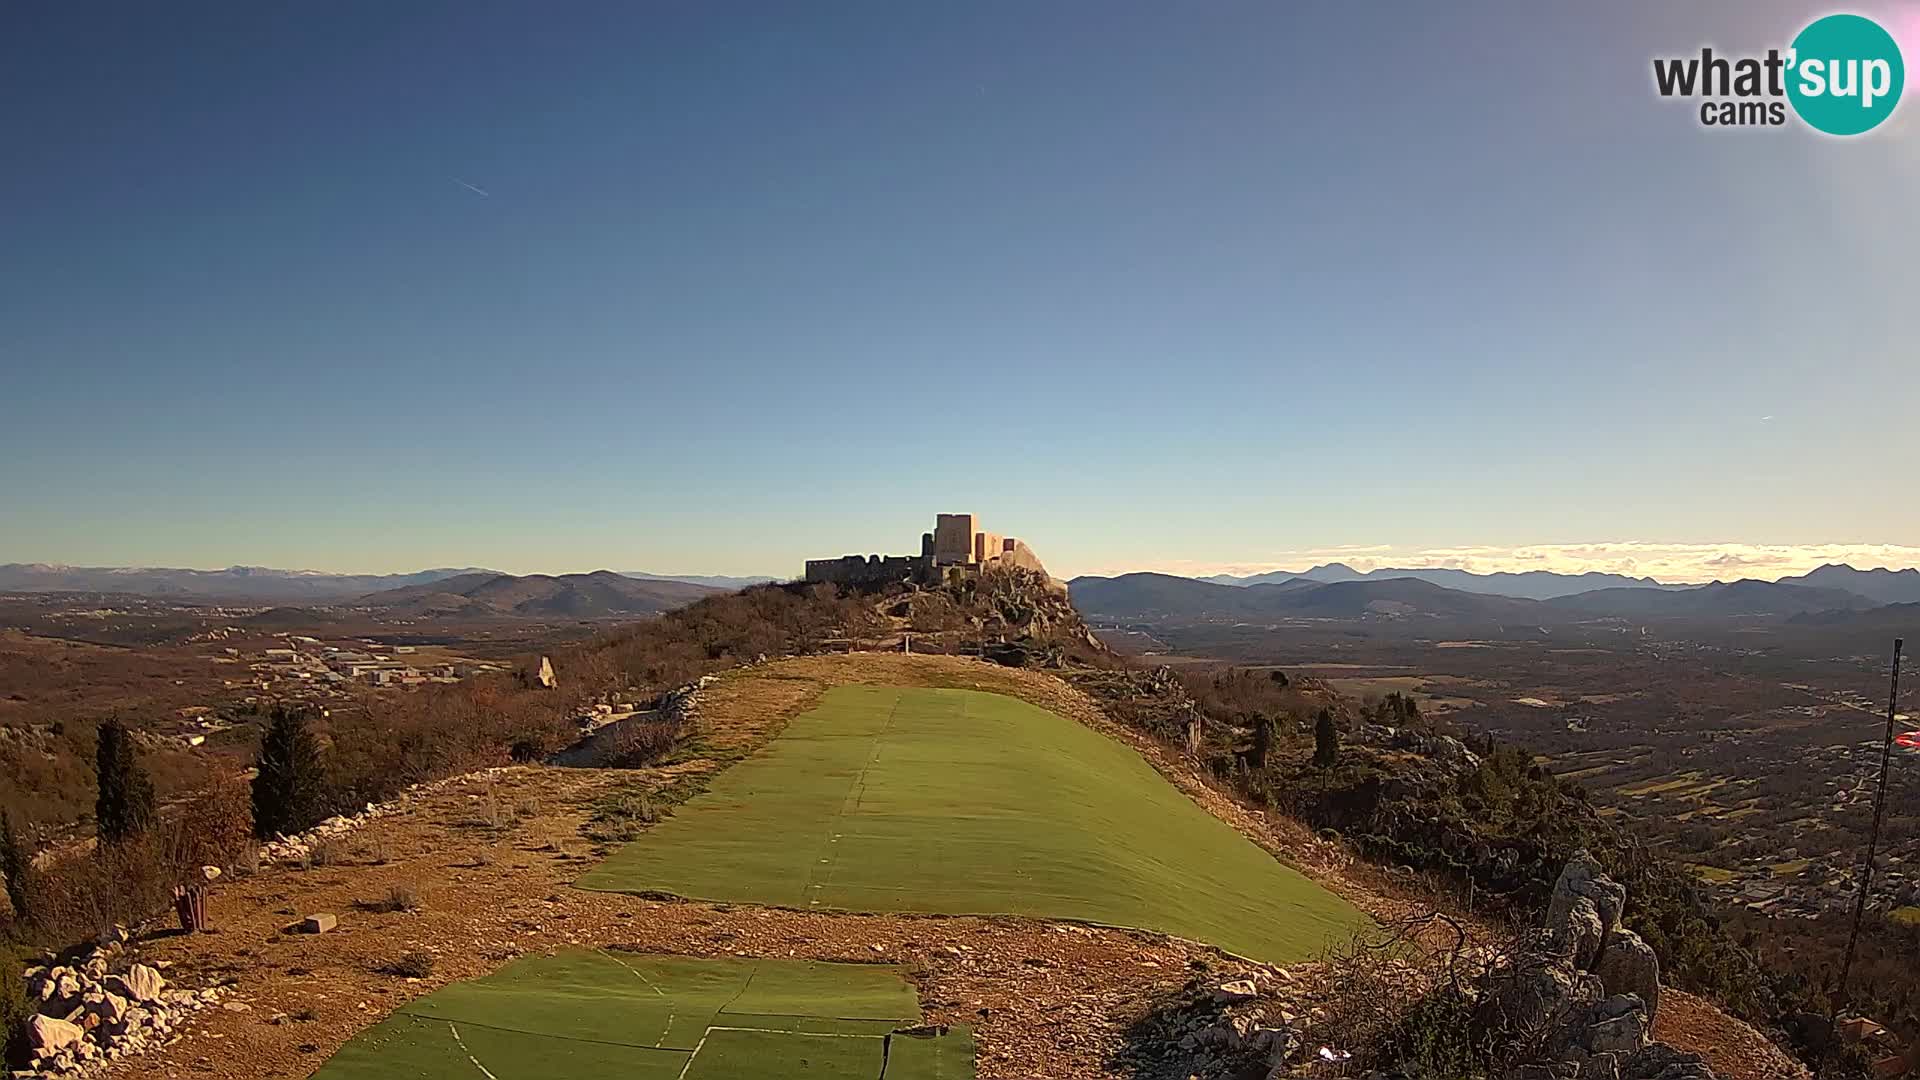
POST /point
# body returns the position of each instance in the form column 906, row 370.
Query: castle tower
column 953, row 539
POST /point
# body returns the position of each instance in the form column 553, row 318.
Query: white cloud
column 1636, row 558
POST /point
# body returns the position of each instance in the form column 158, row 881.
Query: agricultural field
column 1431, row 691
column 604, row 1014
column 967, row 803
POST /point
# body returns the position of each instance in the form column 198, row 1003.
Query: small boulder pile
column 1257, row 1025
column 101, row 1008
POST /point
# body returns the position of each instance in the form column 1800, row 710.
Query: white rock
column 1235, row 992
column 47, row 1035
column 140, row 983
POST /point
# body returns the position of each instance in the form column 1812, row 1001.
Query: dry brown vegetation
column 54, row 694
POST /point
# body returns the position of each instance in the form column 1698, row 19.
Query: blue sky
column 1151, row 285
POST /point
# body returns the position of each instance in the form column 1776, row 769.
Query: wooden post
column 190, row 903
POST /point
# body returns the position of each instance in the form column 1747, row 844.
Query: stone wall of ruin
column 866, row 569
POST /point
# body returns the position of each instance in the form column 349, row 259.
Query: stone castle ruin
column 956, row 548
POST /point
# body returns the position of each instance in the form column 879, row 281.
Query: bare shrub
column 400, row 897
column 1403, row 996
column 378, row 848
column 490, row 812
column 638, row 742
column 125, row 882
column 116, row 884
column 411, row 965
column 214, row 827
column 326, row 851
column 622, row 816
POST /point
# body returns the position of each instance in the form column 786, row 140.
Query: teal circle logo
column 1844, row 74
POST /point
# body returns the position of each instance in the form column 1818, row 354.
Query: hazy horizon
column 1667, row 563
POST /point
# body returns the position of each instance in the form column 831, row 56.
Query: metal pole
column 1873, row 841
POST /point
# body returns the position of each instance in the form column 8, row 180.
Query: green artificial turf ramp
column 968, row 803
column 602, row 1015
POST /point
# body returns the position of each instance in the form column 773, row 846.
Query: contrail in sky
column 482, row 192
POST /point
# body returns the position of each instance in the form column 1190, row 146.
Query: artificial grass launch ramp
column 601, row 1015
column 967, row 803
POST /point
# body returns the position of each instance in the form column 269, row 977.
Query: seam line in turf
column 738, row 994
column 856, row 792
column 462, row 1043
column 671, row 1013
column 545, row 1034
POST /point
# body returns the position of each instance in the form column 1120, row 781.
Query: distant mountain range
column 717, row 581
column 1530, row 585
column 1147, row 596
column 257, row 584
column 601, row 594
column 1879, row 586
column 235, row 583
column 1717, row 599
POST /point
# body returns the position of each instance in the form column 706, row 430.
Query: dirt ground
column 488, row 862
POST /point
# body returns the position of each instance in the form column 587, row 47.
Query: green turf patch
column 930, row 1057
column 736, row 1055
column 962, row 802
column 602, row 1015
column 407, row 1047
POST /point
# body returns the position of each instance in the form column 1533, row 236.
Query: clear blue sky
column 1142, row 282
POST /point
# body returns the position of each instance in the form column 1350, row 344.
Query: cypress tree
column 1262, row 741
column 1326, row 740
column 289, row 791
column 15, row 861
column 124, row 806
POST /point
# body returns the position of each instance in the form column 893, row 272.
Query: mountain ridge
column 1526, row 585
column 600, row 594
column 1150, row 595
column 264, row 584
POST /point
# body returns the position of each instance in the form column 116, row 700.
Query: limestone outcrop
column 1580, row 998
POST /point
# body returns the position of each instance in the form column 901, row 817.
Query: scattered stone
column 1235, row 992
column 102, row 1009
column 319, row 923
